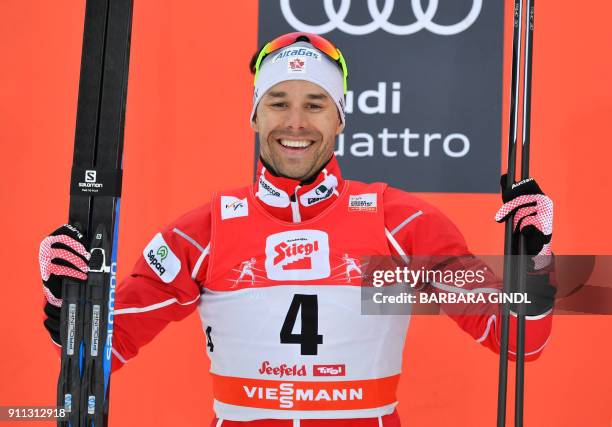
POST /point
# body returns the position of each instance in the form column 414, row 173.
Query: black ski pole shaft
column 522, row 267
column 508, row 249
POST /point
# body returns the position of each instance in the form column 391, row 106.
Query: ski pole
column 510, row 272
column 522, row 267
column 508, row 247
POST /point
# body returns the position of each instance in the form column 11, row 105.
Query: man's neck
column 308, row 180
column 294, row 200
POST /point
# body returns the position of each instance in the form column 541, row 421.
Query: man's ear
column 340, row 128
column 254, row 125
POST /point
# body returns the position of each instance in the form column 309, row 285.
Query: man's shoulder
column 201, row 214
column 401, row 205
column 394, row 197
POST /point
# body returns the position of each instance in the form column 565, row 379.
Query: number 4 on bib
column 309, row 336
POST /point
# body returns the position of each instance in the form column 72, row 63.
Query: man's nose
column 296, row 118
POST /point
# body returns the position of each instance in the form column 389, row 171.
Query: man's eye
column 279, row 105
column 314, row 106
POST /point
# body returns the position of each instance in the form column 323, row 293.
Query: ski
column 95, row 190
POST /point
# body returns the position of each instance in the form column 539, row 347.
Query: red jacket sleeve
column 164, row 285
column 423, row 232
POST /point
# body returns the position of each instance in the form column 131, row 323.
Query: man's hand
column 533, row 217
column 62, row 254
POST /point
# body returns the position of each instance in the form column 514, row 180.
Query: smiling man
column 274, row 268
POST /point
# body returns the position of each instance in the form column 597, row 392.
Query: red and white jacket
column 274, row 270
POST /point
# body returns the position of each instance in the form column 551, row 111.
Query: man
column 300, row 352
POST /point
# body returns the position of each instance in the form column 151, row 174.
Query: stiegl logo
column 297, row 255
column 288, row 393
column 295, row 250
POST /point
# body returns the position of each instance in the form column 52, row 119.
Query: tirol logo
column 297, row 255
column 282, row 370
column 328, row 370
column 381, row 19
column 161, row 259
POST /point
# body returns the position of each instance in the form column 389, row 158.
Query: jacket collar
column 294, row 201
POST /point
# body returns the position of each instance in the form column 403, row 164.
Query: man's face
column 297, row 124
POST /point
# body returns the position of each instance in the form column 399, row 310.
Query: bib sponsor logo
column 362, row 202
column 282, row 370
column 271, row 195
column 328, row 370
column 233, row 207
column 321, row 192
column 290, row 394
column 297, row 255
column 161, row 259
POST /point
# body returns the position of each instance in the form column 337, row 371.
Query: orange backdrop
column 187, row 135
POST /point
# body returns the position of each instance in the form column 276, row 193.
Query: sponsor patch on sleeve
column 233, row 207
column 362, row 202
column 161, row 259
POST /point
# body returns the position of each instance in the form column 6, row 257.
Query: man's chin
column 299, row 173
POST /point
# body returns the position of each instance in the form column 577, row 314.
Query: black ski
column 87, row 312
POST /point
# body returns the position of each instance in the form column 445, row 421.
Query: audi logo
column 380, row 19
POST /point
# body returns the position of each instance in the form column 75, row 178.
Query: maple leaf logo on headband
column 296, row 64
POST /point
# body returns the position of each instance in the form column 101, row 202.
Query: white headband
column 300, row 61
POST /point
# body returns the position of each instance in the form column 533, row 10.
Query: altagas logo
column 303, row 52
column 297, row 255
